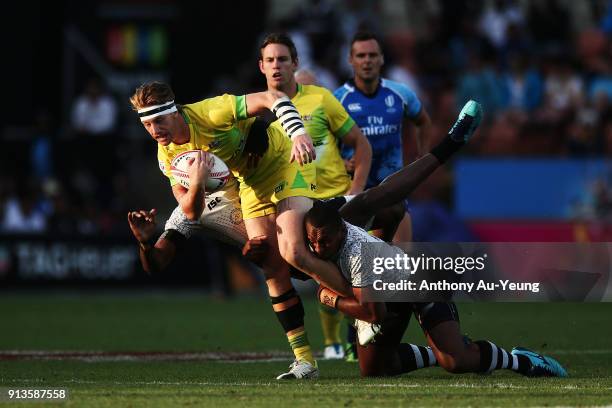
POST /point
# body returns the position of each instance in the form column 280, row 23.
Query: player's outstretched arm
column 362, row 158
column 303, row 150
column 153, row 258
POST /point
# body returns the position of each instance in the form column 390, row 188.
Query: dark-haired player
column 331, row 237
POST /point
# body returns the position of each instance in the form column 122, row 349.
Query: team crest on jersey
column 390, row 102
column 354, row 107
column 214, row 144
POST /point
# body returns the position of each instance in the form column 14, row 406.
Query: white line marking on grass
column 228, row 357
column 429, row 384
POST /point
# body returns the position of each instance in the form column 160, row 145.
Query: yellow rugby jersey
column 218, row 125
column 326, row 122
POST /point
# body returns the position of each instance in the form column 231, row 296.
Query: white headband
column 154, row 111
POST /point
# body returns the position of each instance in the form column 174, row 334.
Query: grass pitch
column 183, row 350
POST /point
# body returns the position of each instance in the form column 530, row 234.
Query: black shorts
column 428, row 315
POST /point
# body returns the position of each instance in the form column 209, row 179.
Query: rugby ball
column 217, row 177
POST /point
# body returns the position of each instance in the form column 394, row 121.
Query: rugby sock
column 292, row 320
column 446, row 149
column 413, row 357
column 493, row 357
column 330, row 323
column 301, row 347
column 351, row 333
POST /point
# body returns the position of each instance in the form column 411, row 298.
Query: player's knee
column 455, row 363
column 295, row 255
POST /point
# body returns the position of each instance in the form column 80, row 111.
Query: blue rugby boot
column 468, row 121
column 541, row 366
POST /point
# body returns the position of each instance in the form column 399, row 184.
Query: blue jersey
column 380, row 118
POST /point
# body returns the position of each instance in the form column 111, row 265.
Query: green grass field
column 579, row 335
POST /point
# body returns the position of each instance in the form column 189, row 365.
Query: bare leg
column 290, row 232
column 393, row 189
column 404, row 230
column 286, row 303
column 450, row 349
column 275, row 268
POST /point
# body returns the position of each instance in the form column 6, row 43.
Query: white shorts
column 221, row 218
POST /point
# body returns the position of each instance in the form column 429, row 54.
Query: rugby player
column 328, row 123
column 220, row 125
column 381, row 108
column 333, row 238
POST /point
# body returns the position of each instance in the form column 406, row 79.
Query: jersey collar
column 351, row 82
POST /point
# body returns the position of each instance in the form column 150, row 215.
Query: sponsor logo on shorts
column 280, row 187
column 313, row 187
column 213, row 203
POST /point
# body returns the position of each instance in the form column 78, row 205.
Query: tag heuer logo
column 389, row 101
column 354, row 107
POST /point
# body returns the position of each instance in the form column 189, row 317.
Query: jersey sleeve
column 339, row 120
column 340, row 93
column 164, row 164
column 411, row 103
column 221, row 112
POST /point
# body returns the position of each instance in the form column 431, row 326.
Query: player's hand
column 199, row 168
column 349, row 165
column 256, row 249
column 302, row 150
column 142, row 224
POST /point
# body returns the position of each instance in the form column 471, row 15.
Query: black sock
column 446, row 149
column 351, row 334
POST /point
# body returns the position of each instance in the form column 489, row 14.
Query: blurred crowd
column 542, row 70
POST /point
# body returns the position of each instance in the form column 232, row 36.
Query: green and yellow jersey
column 220, row 125
column 326, row 122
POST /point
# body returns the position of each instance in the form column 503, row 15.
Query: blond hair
column 151, row 93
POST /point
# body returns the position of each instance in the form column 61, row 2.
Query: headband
column 154, row 111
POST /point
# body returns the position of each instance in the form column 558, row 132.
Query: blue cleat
column 467, row 122
column 541, row 366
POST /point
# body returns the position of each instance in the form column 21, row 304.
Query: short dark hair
column 324, row 214
column 279, row 38
column 365, row 36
